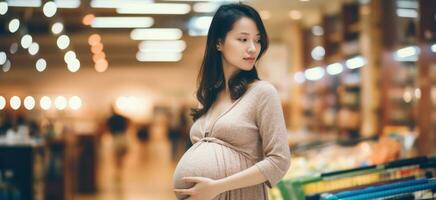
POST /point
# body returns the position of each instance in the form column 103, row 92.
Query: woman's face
column 241, row 45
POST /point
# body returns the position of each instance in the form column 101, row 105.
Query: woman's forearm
column 245, row 178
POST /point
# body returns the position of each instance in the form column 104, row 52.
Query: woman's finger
column 193, row 179
column 183, row 191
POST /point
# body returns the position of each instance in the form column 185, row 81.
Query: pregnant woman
column 239, row 134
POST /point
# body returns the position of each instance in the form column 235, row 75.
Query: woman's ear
column 218, row 45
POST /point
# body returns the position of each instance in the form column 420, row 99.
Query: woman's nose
column 251, row 47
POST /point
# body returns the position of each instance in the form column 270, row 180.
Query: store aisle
column 147, row 173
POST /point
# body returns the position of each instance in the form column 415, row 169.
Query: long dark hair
column 211, row 76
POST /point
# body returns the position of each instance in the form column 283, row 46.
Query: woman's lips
column 250, row 59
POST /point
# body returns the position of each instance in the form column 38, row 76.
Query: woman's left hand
column 204, row 189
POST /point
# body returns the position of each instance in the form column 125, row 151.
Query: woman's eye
column 242, row 39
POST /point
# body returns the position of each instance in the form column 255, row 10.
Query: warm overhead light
column 98, row 56
column 317, row 30
column 122, row 22
column 87, row 19
column 49, row 9
column 203, row 7
column 14, row 25
column 33, row 48
column 75, row 103
column 26, row 41
column 97, row 48
column 156, row 8
column 407, row 54
column 213, row 1
column 156, row 34
column 13, row 48
column 299, row 77
column 73, row 66
column 407, row 13
column 162, row 46
column 335, row 68
column 318, row 53
column 57, row 27
column 67, row 3
column 94, row 39
column 3, row 8
column 407, row 4
column 159, row 56
column 41, row 64
column 3, row 57
column 295, row 14
column 15, row 102
column 45, row 103
column 63, row 41
column 29, row 102
column 60, row 102
column 117, row 3
column 355, row 62
column 69, row 56
column 26, row 3
column 7, row 66
column 2, row 102
column 314, row 73
column 101, row 65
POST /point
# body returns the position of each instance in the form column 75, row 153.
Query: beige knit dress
column 251, row 132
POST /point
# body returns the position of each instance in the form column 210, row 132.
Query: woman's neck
column 229, row 70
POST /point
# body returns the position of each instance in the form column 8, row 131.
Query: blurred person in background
column 117, row 126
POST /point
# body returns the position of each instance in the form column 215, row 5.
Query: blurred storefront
column 357, row 80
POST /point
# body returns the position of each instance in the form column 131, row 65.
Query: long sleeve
column 272, row 129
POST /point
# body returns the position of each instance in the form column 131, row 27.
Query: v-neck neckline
column 209, row 127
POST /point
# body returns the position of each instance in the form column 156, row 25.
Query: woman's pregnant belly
column 208, row 159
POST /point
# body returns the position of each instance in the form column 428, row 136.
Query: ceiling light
column 118, row 3
column 75, row 103
column 33, row 48
column 26, row 41
column 41, row 64
column 7, row 66
column 162, row 46
column 355, row 62
column 57, row 28
column 3, row 57
column 67, row 3
column 156, row 34
column 407, row 13
column 26, row 3
column 63, row 41
column 159, row 57
column 314, row 73
column 29, row 102
column 45, row 103
column 2, row 102
column 49, row 9
column 122, row 22
column 3, row 8
column 335, row 68
column 15, row 102
column 156, row 8
column 14, row 25
column 205, row 7
column 295, row 14
column 299, row 77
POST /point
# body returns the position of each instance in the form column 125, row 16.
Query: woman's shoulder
column 262, row 87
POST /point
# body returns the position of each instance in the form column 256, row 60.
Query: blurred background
column 95, row 94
